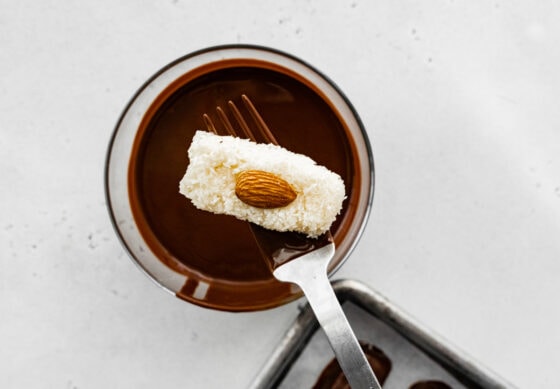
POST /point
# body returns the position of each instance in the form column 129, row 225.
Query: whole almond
column 263, row 189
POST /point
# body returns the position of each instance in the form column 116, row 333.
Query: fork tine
column 242, row 123
column 209, row 124
column 260, row 124
column 225, row 121
column 265, row 131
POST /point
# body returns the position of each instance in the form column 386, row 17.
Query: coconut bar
column 261, row 183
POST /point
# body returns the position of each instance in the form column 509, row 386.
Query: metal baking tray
column 416, row 352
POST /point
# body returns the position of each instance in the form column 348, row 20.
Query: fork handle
column 330, row 316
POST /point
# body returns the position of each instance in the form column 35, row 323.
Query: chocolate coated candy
column 332, row 376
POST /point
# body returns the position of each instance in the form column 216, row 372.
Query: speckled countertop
column 460, row 100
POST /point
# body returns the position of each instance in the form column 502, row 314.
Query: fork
column 302, row 261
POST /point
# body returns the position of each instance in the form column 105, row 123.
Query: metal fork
column 306, row 267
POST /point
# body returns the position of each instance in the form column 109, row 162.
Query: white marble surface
column 460, row 100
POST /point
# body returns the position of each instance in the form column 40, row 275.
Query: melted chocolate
column 220, row 250
column 280, row 247
column 332, row 376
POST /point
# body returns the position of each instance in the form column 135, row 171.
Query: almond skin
column 262, row 189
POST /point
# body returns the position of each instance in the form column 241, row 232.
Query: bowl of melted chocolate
column 213, row 260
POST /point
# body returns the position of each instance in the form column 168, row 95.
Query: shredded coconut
column 215, row 161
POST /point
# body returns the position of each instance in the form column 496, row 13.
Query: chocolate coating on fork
column 260, row 124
